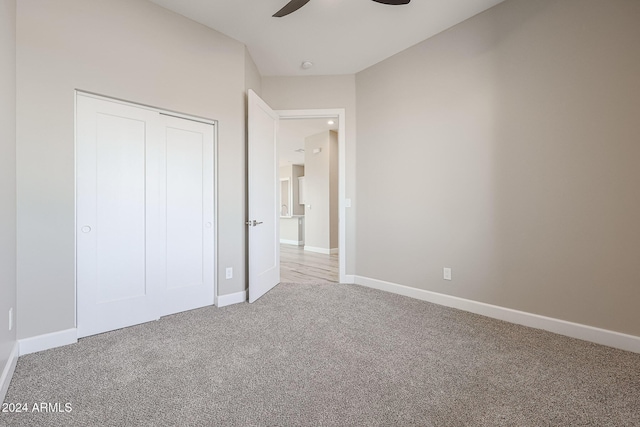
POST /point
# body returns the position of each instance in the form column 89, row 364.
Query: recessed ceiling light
column 306, row 65
column 330, row 122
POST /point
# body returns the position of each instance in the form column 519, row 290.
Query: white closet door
column 145, row 215
column 117, row 154
column 189, row 190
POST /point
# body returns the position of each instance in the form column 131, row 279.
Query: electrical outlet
column 11, row 318
column 229, row 273
column 447, row 273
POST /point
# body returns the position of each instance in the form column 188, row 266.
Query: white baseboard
column 562, row 327
column 292, row 242
column 47, row 341
column 320, row 250
column 349, row 279
column 7, row 371
column 229, row 299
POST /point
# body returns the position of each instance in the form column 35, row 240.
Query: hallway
column 298, row 266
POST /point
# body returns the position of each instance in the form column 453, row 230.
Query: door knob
column 85, row 229
column 253, row 223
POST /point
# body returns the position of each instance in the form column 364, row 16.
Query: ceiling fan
column 294, row 5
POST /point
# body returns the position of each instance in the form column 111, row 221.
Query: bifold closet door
column 119, row 209
column 145, row 215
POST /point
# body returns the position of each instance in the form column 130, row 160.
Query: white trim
column 349, row 279
column 562, row 327
column 148, row 107
column 75, row 208
column 229, row 299
column 47, row 341
column 332, row 251
column 292, row 242
column 317, row 250
column 342, row 173
column 216, row 215
column 8, row 370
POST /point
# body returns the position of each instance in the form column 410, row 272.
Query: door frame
column 332, row 113
column 214, row 123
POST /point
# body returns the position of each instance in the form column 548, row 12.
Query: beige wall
column 126, row 49
column 320, row 191
column 513, row 138
column 285, row 172
column 7, row 177
column 252, row 77
column 291, row 230
column 288, row 93
column 316, row 191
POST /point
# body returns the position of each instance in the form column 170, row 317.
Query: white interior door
column 264, row 187
column 118, row 282
column 189, row 192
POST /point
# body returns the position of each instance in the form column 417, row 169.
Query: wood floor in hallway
column 300, row 266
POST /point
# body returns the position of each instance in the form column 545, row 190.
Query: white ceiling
column 338, row 36
column 291, row 135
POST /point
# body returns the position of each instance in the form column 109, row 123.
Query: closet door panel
column 115, row 144
column 185, row 228
column 120, row 208
column 189, row 215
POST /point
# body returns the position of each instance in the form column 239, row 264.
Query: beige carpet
column 342, row 355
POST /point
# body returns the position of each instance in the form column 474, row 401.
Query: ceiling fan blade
column 290, row 7
column 393, row 2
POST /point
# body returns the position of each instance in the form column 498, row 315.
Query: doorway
column 264, row 191
column 310, row 162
